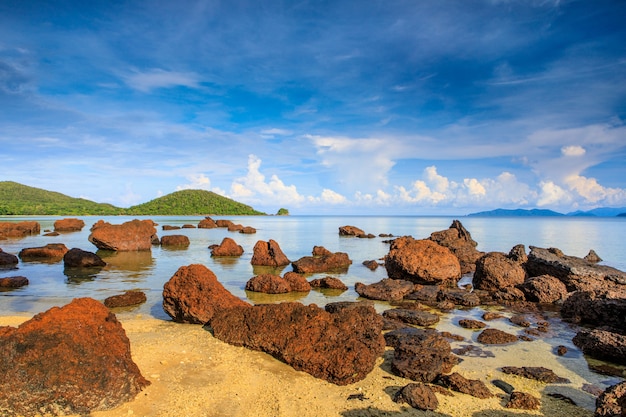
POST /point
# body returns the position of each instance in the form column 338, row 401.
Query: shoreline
column 194, row 374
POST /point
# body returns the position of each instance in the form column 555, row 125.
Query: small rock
column 417, row 395
column 496, row 337
column 522, row 401
column 129, row 298
column 537, row 373
column 471, row 324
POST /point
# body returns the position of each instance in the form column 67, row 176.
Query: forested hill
column 18, row 199
column 192, row 202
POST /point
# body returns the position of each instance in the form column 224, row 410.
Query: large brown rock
column 602, row 344
column 228, row 247
column 194, row 294
column 13, row 282
column 496, row 337
column 78, row 258
column 135, row 235
column 268, row 254
column 207, row 223
column 341, row 347
column 19, row 229
column 351, row 231
column 268, row 284
column 600, row 307
column 7, row 260
column 297, row 282
column 422, row 261
column 417, row 395
column 70, row 360
column 576, row 273
column 322, row 261
column 69, row 225
column 180, row 241
column 496, row 271
column 544, row 289
column 612, row 402
column 52, row 251
column 460, row 242
column 387, row 289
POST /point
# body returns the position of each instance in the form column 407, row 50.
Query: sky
column 321, row 107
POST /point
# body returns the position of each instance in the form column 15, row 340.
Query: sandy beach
column 194, row 374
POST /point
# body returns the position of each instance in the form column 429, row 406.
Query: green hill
column 18, row 199
column 192, row 202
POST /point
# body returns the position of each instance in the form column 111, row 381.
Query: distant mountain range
column 19, row 199
column 598, row 212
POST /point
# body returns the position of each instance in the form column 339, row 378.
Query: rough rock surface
column 135, row 235
column 387, row 289
column 372, row 265
column 422, row 262
column 576, row 273
column 70, row 360
column 457, row 382
column 544, row 289
column 417, row 395
column 602, row 344
column 612, row 402
column 522, row 401
column 78, row 258
column 495, row 271
column 331, row 283
column 194, row 294
column 592, row 257
column 415, row 317
column 69, row 225
column 228, row 247
column 341, row 347
column 129, row 298
column 207, row 223
column 297, row 282
column 268, row 284
column 458, row 297
column 7, row 260
column 322, row 261
column 268, row 254
column 13, row 282
column 460, row 242
column 19, row 229
column 351, row 231
column 420, row 354
column 607, row 307
column 472, row 324
column 247, row 230
column 496, row 337
column 52, row 251
column 537, row 373
column 175, row 240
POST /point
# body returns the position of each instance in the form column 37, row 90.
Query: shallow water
column 51, row 285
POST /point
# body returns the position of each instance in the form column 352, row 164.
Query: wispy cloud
column 146, row 81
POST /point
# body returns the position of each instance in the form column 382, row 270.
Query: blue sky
column 344, row 106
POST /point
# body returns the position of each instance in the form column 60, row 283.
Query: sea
column 51, row 285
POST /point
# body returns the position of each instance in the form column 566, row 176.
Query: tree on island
column 282, row 212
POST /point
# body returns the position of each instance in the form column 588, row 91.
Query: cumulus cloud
column 573, row 150
column 158, row 78
column 199, row 182
column 592, row 192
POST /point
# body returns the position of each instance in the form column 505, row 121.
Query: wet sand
column 193, row 374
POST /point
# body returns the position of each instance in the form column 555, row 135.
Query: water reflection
column 136, row 261
column 262, row 298
column 226, row 262
column 76, row 276
column 272, row 270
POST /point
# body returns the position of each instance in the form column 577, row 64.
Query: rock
column 518, row 254
column 544, row 289
column 576, row 273
column 248, row 230
column 350, row 231
column 561, row 350
column 504, row 386
column 329, row 283
column 495, row 271
column 602, row 344
column 224, row 223
column 420, row 354
column 69, row 225
column 607, row 307
column 537, row 373
column 70, row 360
column 78, row 258
column 188, row 226
column 496, row 337
column 422, row 262
column 13, row 282
column 458, row 297
column 297, row 282
column 592, row 257
column 52, row 252
column 228, row 247
column 207, row 223
column 472, row 324
column 19, row 229
column 175, row 240
column 460, row 242
column 167, row 227
column 387, row 290
column 372, row 265
column 135, row 235
column 522, row 401
column 425, row 293
column 7, row 260
column 415, row 317
column 520, row 320
column 268, row 284
column 457, row 382
column 492, row 315
column 194, row 294
column 268, row 254
column 341, row 348
column 129, row 298
column 322, row 261
column 612, row 402
column 417, row 395
column 235, row 227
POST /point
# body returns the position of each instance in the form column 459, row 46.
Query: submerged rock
column 13, row 282
column 69, row 225
column 128, row 299
column 78, row 258
column 228, row 247
column 175, row 240
column 19, row 229
column 52, row 251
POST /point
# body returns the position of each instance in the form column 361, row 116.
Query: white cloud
column 550, row 194
column 199, row 182
column 573, row 150
column 593, row 192
column 158, row 78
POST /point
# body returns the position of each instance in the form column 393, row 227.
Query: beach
column 194, row 374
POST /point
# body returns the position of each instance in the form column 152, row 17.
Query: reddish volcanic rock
column 248, row 230
column 496, row 337
column 602, row 344
column 129, row 298
column 297, row 282
column 538, row 373
column 496, row 271
column 350, row 231
column 70, row 360
column 207, row 223
column 175, row 240
column 168, row 227
column 544, row 289
column 268, row 284
column 52, row 251
column 194, row 294
column 7, row 260
column 69, row 225
column 387, row 289
column 593, row 307
column 522, row 401
column 417, row 395
column 235, row 227
column 228, row 247
column 268, row 254
column 421, row 261
column 130, row 236
column 78, row 258
column 322, row 261
column 460, row 242
column 329, row 283
column 612, row 402
column 224, row 223
column 13, row 282
column 19, row 229
column 457, row 382
column 341, row 347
